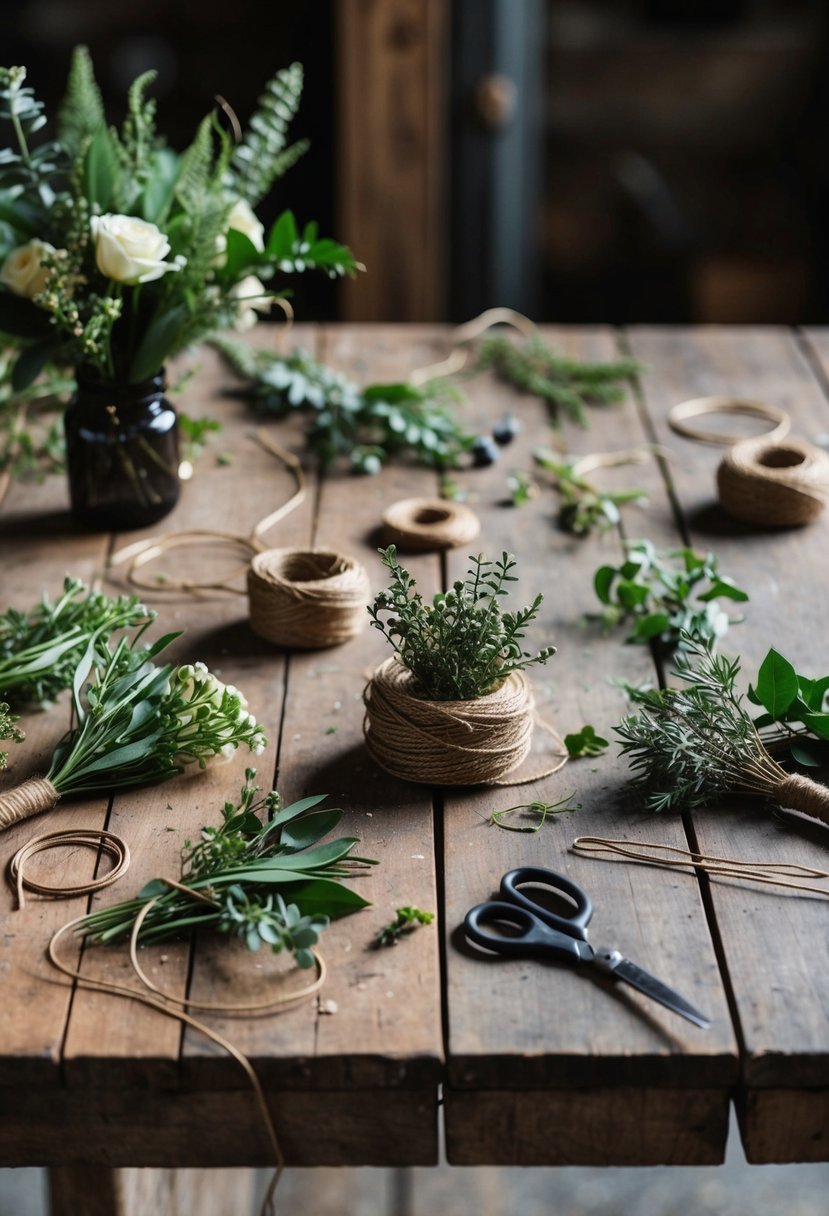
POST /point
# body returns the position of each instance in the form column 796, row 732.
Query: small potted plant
column 117, row 252
column 453, row 705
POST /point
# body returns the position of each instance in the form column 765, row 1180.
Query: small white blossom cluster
column 208, row 719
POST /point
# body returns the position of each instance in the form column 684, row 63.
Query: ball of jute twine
column 679, row 415
column 306, row 598
column 421, row 525
column 27, row 799
column 448, row 742
column 774, row 484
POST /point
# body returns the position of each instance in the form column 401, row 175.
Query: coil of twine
column 27, row 799
column 774, row 484
column 699, row 407
column 306, row 599
column 420, row 525
column 446, row 742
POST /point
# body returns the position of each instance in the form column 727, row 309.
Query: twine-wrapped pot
column 446, row 742
column 306, row 599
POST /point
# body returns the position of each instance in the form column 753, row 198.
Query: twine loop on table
column 449, row 742
column 698, row 407
column 94, row 838
column 29, row 798
column 774, row 484
column 421, row 525
column 307, row 598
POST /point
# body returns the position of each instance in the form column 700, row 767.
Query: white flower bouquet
column 137, row 723
column 116, row 252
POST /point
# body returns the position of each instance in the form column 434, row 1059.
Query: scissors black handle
column 528, row 935
column 574, row 924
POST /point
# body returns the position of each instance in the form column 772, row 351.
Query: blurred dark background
column 581, row 160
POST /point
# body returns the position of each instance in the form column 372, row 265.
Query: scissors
column 536, row 930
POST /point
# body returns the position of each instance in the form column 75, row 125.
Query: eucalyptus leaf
column 776, row 684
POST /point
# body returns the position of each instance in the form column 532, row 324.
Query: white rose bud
column 23, row 271
column 243, row 219
column 253, row 298
column 129, row 250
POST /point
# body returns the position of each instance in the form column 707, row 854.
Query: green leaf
column 308, row 829
column 241, row 253
column 321, row 895
column 813, row 692
column 286, row 813
column 585, row 743
column 650, row 626
column 282, row 237
column 159, row 339
column 160, row 188
column 776, row 684
column 804, row 755
column 100, row 170
column 818, row 724
column 723, row 589
column 31, row 362
column 602, row 582
column 120, row 757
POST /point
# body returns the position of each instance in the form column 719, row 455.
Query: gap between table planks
column 774, row 946
column 525, row 1038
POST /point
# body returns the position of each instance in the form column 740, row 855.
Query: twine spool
column 446, row 742
column 419, row 525
column 678, row 417
column 27, row 799
column 306, row 599
column 774, row 484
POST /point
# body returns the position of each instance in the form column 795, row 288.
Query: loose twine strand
column 175, row 1007
column 96, row 838
column 468, row 332
column 669, row 857
column 451, row 742
column 774, row 484
column 699, row 407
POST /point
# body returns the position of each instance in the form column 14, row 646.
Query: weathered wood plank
column 386, row 1028
column 622, row 1125
column 139, row 1127
column 775, row 950
column 515, row 1023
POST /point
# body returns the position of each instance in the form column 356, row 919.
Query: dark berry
column 505, row 431
column 484, row 451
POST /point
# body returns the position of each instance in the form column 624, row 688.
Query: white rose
column 23, row 271
column 130, row 250
column 253, row 297
column 243, row 219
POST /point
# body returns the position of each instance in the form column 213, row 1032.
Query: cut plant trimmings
column 238, row 877
column 688, row 746
column 137, row 724
column 453, row 706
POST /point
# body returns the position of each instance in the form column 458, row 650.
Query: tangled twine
column 27, row 799
column 306, row 598
column 420, row 525
column 449, row 742
column 774, row 484
column 678, row 417
column 93, row 838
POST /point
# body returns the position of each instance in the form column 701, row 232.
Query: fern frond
column 262, row 157
column 81, row 113
column 196, row 166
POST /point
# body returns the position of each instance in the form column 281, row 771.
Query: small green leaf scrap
column 406, row 921
column 585, row 742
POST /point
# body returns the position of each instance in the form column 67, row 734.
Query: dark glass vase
column 121, row 452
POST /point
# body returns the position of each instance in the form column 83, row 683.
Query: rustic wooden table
column 535, row 1065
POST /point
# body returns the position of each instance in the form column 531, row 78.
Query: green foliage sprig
column 690, row 746
column 795, row 709
column 537, row 812
column 406, row 921
column 568, row 386
column 461, row 646
column 585, row 742
column 238, row 874
column 116, row 251
column 40, row 649
column 366, row 426
column 666, row 595
column 584, row 508
column 31, row 419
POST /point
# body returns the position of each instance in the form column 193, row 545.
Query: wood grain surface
column 92, row 1080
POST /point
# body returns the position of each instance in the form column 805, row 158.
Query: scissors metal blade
column 622, row 968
